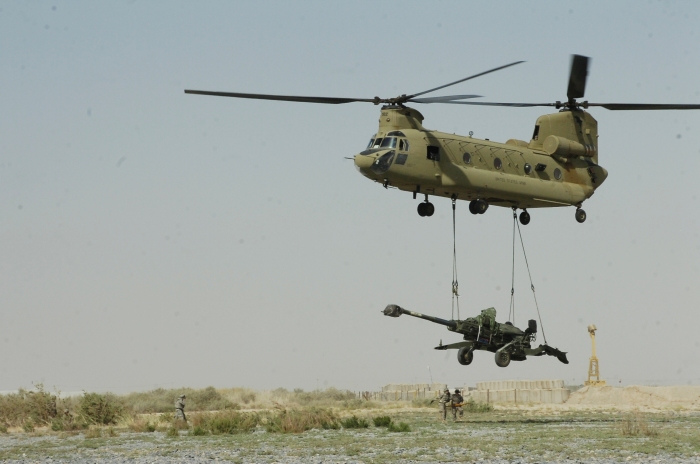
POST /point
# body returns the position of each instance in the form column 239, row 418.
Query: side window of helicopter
column 403, row 145
column 536, row 133
column 497, row 163
column 557, row 174
column 389, row 142
column 467, row 158
column 371, row 143
column 433, row 153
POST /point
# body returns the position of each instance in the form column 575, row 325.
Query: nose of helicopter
column 363, row 162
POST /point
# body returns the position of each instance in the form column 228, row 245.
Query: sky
column 150, row 238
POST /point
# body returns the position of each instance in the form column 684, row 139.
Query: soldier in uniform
column 457, row 401
column 180, row 408
column 443, row 400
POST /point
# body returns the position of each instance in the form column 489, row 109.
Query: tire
column 524, row 218
column 472, row 207
column 429, row 209
column 465, row 356
column 421, row 209
column 502, row 359
column 481, row 206
column 580, row 216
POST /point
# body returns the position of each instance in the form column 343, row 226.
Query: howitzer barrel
column 396, row 310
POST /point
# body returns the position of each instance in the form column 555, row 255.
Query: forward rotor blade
column 520, row 105
column 442, row 99
column 466, row 79
column 645, row 106
column 293, row 98
column 577, row 77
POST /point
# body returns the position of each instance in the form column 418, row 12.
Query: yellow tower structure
column 593, row 372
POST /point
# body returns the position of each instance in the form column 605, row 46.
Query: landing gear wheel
column 502, row 359
column 426, row 209
column 580, row 215
column 465, row 356
column 478, row 206
column 524, row 218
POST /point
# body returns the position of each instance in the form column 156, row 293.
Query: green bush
column 199, row 431
column 28, row 426
column 354, row 423
column 382, row 421
column 99, row 408
column 172, row 432
column 3, row 428
column 472, row 406
column 401, row 427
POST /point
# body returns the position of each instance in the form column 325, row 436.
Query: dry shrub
column 162, row 400
column 104, row 409
column 94, row 432
column 28, row 407
column 423, row 403
column 224, row 422
column 141, row 425
column 636, row 424
column 301, row 420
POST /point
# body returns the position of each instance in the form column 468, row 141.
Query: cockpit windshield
column 389, row 142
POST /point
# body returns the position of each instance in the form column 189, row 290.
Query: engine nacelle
column 565, row 148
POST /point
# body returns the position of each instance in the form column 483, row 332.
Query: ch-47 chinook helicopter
column 557, row 167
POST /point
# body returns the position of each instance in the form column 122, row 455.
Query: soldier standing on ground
column 443, row 400
column 180, row 408
column 457, row 401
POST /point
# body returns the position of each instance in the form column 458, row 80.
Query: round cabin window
column 497, row 163
column 557, row 174
column 527, row 168
column 467, row 158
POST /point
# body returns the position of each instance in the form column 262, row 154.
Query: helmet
column 183, row 396
column 456, row 390
column 447, row 390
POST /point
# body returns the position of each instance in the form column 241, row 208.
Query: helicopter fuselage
column 558, row 167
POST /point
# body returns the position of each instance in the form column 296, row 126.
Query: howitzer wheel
column 465, row 356
column 502, row 359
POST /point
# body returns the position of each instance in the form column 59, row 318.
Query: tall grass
column 636, row 424
column 301, row 420
column 162, row 400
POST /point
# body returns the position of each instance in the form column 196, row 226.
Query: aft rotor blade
column 444, row 99
column 293, row 98
column 645, row 106
column 577, row 77
column 466, row 79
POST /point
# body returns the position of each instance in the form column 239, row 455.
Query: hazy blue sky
column 151, row 238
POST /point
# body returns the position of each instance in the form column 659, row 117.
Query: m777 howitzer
column 484, row 333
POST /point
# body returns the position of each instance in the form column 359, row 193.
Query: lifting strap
column 455, row 283
column 532, row 286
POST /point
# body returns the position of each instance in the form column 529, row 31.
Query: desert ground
column 601, row 424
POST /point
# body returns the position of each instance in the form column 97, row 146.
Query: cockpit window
column 395, row 134
column 377, row 142
column 371, row 141
column 381, row 164
column 389, row 142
